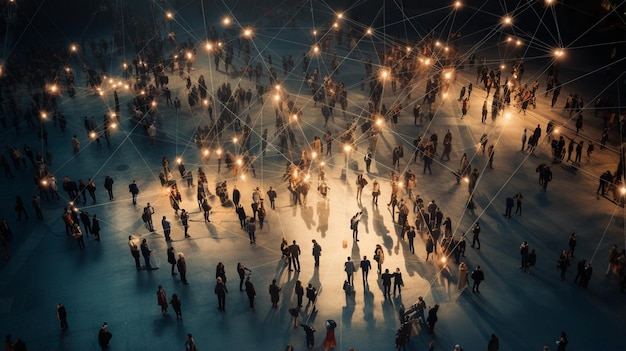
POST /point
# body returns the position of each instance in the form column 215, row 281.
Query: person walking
column 133, row 189
column 477, row 276
column 317, row 252
column 167, row 228
column 148, row 211
column 78, row 235
column 572, row 244
column 563, row 263
column 134, row 251
column 397, row 282
column 274, row 291
column 171, row 258
column 104, row 336
column 386, row 278
column 349, row 269
column 475, row 236
column 176, row 304
column 546, row 177
column 562, row 342
column 108, row 185
column 184, row 219
column 62, row 316
column 518, row 203
column 162, row 299
column 360, row 184
column 431, row 320
column 310, row 335
column 182, row 268
column 411, row 234
column 37, row 207
column 612, row 258
column 523, row 249
column 509, row 206
column 271, row 194
column 354, row 225
column 365, row 265
column 221, row 291
column 250, row 291
column 311, row 295
column 206, row 208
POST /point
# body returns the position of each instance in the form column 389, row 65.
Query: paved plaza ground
column 100, row 283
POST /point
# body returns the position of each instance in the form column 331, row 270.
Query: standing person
column 354, row 225
column 167, row 228
column 95, row 227
column 477, row 276
column 509, row 207
column 271, row 194
column 133, row 189
column 108, row 185
column 250, row 291
column 171, row 258
column 411, row 235
column 19, row 208
column 463, row 273
column 206, row 208
column 330, row 341
column 241, row 271
column 184, row 219
column 134, row 250
column 518, row 203
column 221, row 291
column 251, row 228
column 360, row 184
column 475, row 236
column 311, row 295
column 190, row 343
column 261, row 214
column 236, row 196
column 62, row 316
column 182, row 268
column 563, row 263
column 75, row 145
column 299, row 291
column 84, row 217
column 386, row 277
column 294, row 250
column 274, row 291
column 430, row 246
column 572, row 244
column 379, row 257
column 613, row 259
column 546, row 177
column 162, row 299
column 494, row 343
column 366, row 265
column 317, row 252
column 368, row 160
column 78, row 235
column 176, row 303
column 397, row 282
column 104, row 336
column 523, row 250
column 349, row 269
column 524, row 137
column 148, row 211
column 145, row 252
column 580, row 270
column 431, row 320
column 37, row 207
column 375, row 192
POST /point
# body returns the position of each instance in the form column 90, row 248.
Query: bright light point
column 335, row 25
column 509, row 39
column 189, row 55
column 507, row 115
column 44, row 115
column 208, row 46
column 437, row 43
column 507, row 20
column 502, row 66
column 549, row 2
column 443, row 259
column 314, row 154
column 445, row 95
column 379, row 121
column 448, row 75
column 623, row 190
column 518, row 43
column 408, row 49
column 179, row 160
column 322, row 164
column 316, row 49
column 466, row 179
column 400, row 184
column 92, row 135
column 235, row 140
column 206, row 152
column 205, row 102
column 307, row 177
column 457, row 4
column 243, row 177
column 67, row 69
column 369, row 31
column 558, row 52
column 277, row 97
column 226, row 21
column 295, row 117
column 556, row 130
column 277, row 87
column 239, row 162
column 73, row 48
column 314, row 32
column 113, row 125
column 153, row 104
column 247, row 33
column 44, row 182
column 169, row 15
column 427, row 61
column 347, row 148
column 340, row 15
column 101, row 93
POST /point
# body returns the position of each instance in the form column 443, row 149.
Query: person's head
column 478, row 267
column 144, row 241
column 364, row 258
column 130, row 237
column 294, row 242
column 398, row 269
column 313, row 241
column 160, row 287
column 163, row 217
column 348, row 258
column 386, row 270
column 274, row 281
column 181, row 255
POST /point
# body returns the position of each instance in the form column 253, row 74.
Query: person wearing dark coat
column 494, row 343
column 221, row 291
column 104, row 336
column 171, row 258
column 242, row 215
column 274, row 291
column 250, row 291
column 108, row 185
column 310, row 336
column 134, row 190
column 182, row 267
column 95, row 227
column 386, row 277
column 478, row 276
column 236, row 196
column 431, row 320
